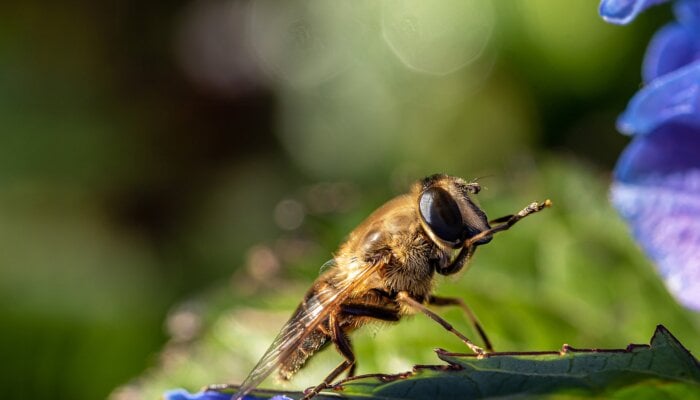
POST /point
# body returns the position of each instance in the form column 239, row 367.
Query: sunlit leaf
column 662, row 368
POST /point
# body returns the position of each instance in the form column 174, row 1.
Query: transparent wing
column 304, row 321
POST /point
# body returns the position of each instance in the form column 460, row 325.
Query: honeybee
column 384, row 271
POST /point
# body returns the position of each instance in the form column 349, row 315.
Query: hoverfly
column 385, row 270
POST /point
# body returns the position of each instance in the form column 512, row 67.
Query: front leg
column 504, row 223
column 507, row 222
column 458, row 263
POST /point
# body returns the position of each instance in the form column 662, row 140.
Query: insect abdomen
column 311, row 344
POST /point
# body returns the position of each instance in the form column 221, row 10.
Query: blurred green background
column 173, row 175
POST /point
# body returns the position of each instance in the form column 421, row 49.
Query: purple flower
column 657, row 179
column 181, row 394
column 657, row 190
column 623, row 11
column 673, row 47
column 670, row 98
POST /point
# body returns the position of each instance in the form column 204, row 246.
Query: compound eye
column 442, row 215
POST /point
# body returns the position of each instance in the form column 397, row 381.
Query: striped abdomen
column 309, row 345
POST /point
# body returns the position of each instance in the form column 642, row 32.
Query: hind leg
column 365, row 310
column 342, row 344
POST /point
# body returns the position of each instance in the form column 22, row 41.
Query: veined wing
column 318, row 307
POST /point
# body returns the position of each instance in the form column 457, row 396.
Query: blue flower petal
column 662, row 158
column 181, row 394
column 671, row 48
column 622, row 12
column 688, row 13
column 657, row 191
column 674, row 97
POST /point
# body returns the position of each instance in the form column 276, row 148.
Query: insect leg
column 456, row 301
column 504, row 224
column 502, row 219
column 351, row 371
column 508, row 221
column 364, row 310
column 458, row 263
column 405, row 298
column 342, row 344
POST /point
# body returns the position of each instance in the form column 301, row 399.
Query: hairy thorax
column 393, row 237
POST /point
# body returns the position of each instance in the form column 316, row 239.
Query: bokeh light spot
column 437, row 37
column 289, row 214
column 298, row 42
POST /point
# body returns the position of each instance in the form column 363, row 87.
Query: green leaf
column 663, row 369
